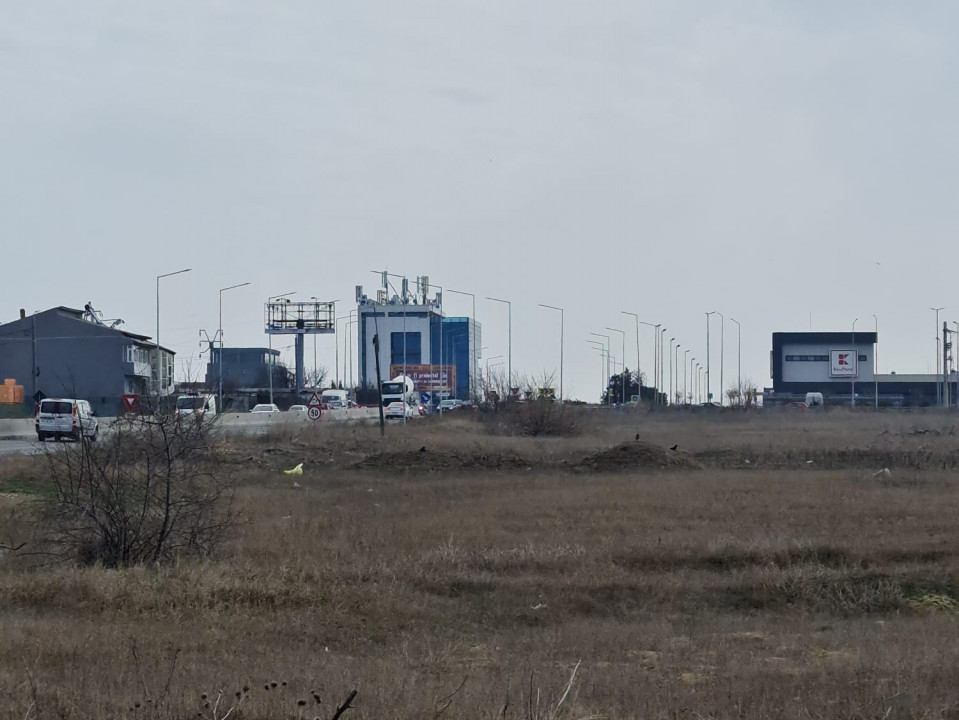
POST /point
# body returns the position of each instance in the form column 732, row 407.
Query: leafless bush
column 143, row 495
column 535, row 418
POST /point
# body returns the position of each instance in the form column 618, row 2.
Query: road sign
column 314, row 412
column 130, row 402
column 425, row 397
column 314, row 401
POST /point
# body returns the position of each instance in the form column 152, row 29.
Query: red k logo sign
column 844, row 359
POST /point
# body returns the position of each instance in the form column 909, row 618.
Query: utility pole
column 945, row 363
column 938, row 358
column 639, row 373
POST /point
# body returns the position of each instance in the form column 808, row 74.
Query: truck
column 334, row 399
column 400, row 388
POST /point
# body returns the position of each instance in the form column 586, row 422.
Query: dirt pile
column 442, row 459
column 637, row 455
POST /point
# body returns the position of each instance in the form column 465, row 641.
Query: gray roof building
column 64, row 352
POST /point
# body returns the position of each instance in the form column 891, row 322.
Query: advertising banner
column 436, row 378
column 843, row 363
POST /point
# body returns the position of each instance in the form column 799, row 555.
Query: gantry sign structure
column 284, row 317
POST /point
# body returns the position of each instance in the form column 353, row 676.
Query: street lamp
column 656, row 386
column 509, row 346
column 671, row 341
column 269, row 336
column 159, row 351
column 685, row 364
column 219, row 400
column 604, row 366
column 639, row 373
column 662, row 373
column 606, row 386
column 856, row 365
column 486, row 376
column 739, row 360
column 675, row 364
column 562, row 331
column 938, row 355
column 875, row 363
column 623, row 375
column 473, row 353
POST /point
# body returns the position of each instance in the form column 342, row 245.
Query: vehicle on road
column 265, row 408
column 60, row 418
column 399, row 409
column 196, row 405
column 334, row 399
column 448, row 405
column 298, row 409
column 400, row 388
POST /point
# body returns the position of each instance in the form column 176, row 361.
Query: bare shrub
column 535, row 418
column 143, row 495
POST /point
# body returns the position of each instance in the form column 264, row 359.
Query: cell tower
column 301, row 319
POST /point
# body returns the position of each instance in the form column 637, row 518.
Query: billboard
column 843, row 363
column 436, row 378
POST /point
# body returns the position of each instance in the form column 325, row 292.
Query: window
column 413, row 348
column 807, row 358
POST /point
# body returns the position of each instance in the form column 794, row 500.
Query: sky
column 790, row 165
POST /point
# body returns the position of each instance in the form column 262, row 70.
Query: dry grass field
column 775, row 565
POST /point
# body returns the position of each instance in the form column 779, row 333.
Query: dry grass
column 773, row 589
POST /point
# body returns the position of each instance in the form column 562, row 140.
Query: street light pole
column 562, row 331
column 676, row 366
column 722, row 354
column 509, row 340
column 606, row 386
column 622, row 376
column 685, row 364
column 159, row 351
column 739, row 359
column 875, row 363
column 655, row 328
column 219, row 399
column 473, row 353
column 856, row 366
column 639, row 373
column 938, row 354
column 671, row 396
column 662, row 372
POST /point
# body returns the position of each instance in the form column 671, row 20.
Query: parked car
column 298, row 409
column 65, row 417
column 265, row 408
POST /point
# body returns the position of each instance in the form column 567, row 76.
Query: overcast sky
column 775, row 161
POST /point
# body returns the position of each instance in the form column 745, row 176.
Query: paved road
column 20, row 447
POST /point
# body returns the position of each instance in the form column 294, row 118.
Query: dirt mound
column 434, row 460
column 637, row 455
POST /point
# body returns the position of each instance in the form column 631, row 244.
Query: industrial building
column 440, row 354
column 64, row 352
column 841, row 366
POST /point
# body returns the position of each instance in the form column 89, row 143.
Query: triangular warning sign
column 314, row 401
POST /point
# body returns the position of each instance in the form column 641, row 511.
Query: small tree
column 143, row 495
column 743, row 396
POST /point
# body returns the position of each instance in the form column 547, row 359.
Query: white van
column 814, row 399
column 65, row 417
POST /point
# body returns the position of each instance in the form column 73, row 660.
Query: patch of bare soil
column 831, row 459
column 637, row 455
column 445, row 459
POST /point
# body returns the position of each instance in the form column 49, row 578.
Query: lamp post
column 219, row 399
column 700, row 383
column 509, row 345
column 685, row 365
column 473, row 353
column 655, row 328
column 954, row 364
column 722, row 354
column 676, row 366
column 159, row 351
column 670, row 399
column 639, row 373
column 604, row 366
column 856, row 366
column 938, row 355
column 739, row 361
column 562, row 331
column 606, row 385
column 623, row 374
column 662, row 373
column 875, row 364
